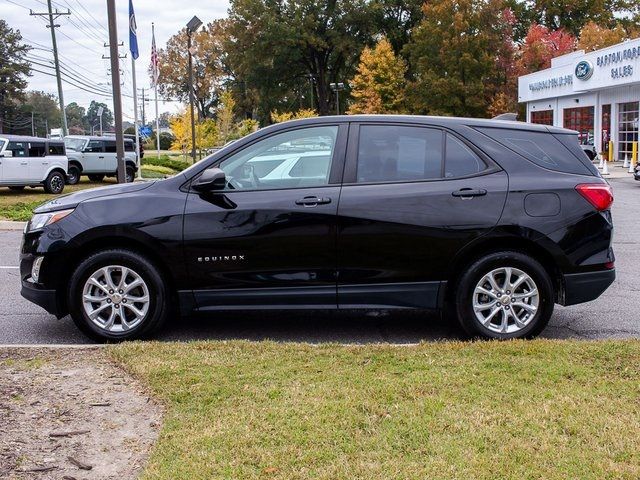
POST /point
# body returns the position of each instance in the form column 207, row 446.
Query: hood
column 73, row 199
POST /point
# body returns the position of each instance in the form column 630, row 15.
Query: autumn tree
column 14, row 70
column 209, row 68
column 277, row 117
column 453, row 54
column 502, row 82
column 541, row 45
column 378, row 86
column 225, row 115
column 594, row 37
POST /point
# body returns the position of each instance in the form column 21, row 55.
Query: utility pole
column 115, row 83
column 33, row 129
column 52, row 16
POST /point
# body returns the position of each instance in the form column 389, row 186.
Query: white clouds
column 81, row 36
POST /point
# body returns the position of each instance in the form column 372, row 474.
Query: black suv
column 491, row 222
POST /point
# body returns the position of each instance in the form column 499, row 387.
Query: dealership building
column 595, row 93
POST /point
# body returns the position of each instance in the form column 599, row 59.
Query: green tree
column 277, row 49
column 453, row 53
column 396, row 19
column 76, row 118
column 45, row 109
column 14, row 70
column 92, row 117
column 378, row 86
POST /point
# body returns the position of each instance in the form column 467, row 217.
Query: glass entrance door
column 627, row 128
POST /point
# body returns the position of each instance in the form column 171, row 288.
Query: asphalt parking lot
column 616, row 314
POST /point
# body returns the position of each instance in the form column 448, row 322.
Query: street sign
column 145, row 131
column 100, row 110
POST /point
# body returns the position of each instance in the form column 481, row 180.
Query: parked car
column 32, row 162
column 636, row 172
column 490, row 222
column 590, row 151
column 96, row 158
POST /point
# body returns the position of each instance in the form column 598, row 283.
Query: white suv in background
column 96, row 158
column 33, row 162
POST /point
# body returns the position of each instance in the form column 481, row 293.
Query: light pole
column 336, row 87
column 100, row 112
column 192, row 26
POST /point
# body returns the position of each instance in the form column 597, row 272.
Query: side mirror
column 211, row 179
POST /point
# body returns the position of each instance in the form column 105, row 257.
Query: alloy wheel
column 505, row 300
column 115, row 298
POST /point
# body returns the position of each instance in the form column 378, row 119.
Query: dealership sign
column 584, row 70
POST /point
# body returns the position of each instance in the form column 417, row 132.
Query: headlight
column 41, row 220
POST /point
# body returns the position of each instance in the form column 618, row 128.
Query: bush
column 165, row 161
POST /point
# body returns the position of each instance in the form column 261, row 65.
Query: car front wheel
column 73, row 175
column 54, row 183
column 504, row 295
column 117, row 295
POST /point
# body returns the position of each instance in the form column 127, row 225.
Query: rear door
column 413, row 196
column 110, row 156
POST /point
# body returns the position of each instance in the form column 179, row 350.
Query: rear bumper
column 584, row 287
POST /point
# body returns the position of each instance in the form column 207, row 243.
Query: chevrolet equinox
column 491, row 222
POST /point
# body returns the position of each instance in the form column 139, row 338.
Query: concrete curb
column 53, row 346
column 9, row 225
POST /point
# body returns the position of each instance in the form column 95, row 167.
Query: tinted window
column 460, row 160
column 37, row 149
column 56, row 149
column 388, row 153
column 573, row 145
column 128, row 146
column 94, row 146
column 18, row 149
column 541, row 148
column 297, row 158
column 110, row 146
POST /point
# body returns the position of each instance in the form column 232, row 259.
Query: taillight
column 597, row 194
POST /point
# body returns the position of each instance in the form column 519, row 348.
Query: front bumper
column 47, row 299
column 584, row 287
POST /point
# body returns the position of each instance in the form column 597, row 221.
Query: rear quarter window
column 541, row 148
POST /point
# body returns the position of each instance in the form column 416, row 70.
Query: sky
column 81, row 37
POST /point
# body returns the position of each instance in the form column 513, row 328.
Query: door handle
column 312, row 201
column 469, row 193
column 23, row 163
column 100, row 157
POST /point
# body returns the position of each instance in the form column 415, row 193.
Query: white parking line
column 10, row 267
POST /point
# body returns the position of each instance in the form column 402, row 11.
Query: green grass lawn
column 487, row 410
column 18, row 206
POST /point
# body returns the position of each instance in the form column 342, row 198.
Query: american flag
column 155, row 73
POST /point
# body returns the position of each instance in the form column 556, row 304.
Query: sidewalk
column 9, row 225
column 616, row 170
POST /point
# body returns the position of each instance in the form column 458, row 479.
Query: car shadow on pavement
column 349, row 327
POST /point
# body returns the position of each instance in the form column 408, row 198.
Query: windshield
column 76, row 144
column 2, row 142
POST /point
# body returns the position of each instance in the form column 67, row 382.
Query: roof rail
column 512, row 117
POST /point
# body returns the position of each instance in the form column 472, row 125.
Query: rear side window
column 388, row 153
column 543, row 149
column 110, row 147
column 37, row 149
column 460, row 160
column 56, row 149
column 573, row 145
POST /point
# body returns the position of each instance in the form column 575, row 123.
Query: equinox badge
column 221, row 258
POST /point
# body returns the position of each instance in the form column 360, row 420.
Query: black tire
column 17, row 188
column 129, row 174
column 73, row 174
column 96, row 177
column 54, row 183
column 158, row 293
column 463, row 298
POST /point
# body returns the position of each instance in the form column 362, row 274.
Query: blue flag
column 133, row 37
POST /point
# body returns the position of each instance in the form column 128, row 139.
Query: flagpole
column 155, row 88
column 135, row 116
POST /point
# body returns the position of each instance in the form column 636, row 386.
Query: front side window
column 75, row 144
column 37, row 149
column 388, row 153
column 18, row 149
column 298, row 158
column 94, row 146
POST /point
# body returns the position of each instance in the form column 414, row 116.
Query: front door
column 93, row 157
column 16, row 162
column 269, row 238
column 412, row 197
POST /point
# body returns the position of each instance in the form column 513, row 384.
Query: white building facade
column 595, row 93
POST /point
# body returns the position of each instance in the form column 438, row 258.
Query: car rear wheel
column 73, row 175
column 96, row 177
column 504, row 295
column 117, row 295
column 54, row 183
column 129, row 174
